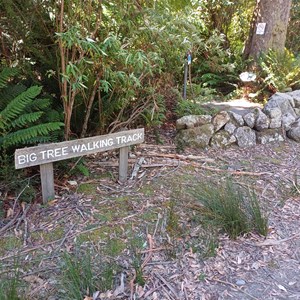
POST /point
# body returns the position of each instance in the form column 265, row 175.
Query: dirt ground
column 149, row 227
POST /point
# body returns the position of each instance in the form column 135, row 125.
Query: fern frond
column 9, row 93
column 24, row 136
column 40, row 104
column 26, row 119
column 17, row 105
column 5, row 75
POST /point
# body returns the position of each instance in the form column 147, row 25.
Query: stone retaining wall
column 279, row 119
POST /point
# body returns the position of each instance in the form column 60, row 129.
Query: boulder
column 195, row 137
column 249, row 119
column 288, row 120
column 275, row 123
column 297, row 111
column 270, row 136
column 261, row 120
column 296, row 97
column 192, row 121
column 220, row 120
column 297, row 102
column 275, row 115
column 236, row 119
column 294, row 132
column 230, row 128
column 222, row 139
column 245, row 136
column 284, row 101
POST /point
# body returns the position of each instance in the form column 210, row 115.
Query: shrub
column 279, row 70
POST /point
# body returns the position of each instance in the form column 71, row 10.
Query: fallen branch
column 178, row 156
column 231, row 172
column 233, row 286
column 10, row 223
column 166, row 284
column 270, row 242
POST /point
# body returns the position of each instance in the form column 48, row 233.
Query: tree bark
column 275, row 13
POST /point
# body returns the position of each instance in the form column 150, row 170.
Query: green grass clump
column 231, row 208
column 82, row 275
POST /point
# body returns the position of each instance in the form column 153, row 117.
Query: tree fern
column 23, row 117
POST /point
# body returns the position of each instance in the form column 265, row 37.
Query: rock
column 297, row 102
column 249, row 119
column 296, row 97
column 275, row 115
column 275, row 123
column 220, row 119
column 245, row 136
column 261, row 120
column 288, row 120
column 240, row 282
column 192, row 121
column 230, row 128
column 236, row 119
column 270, row 136
column 294, row 132
column 222, row 139
column 297, row 111
column 282, row 101
column 195, row 137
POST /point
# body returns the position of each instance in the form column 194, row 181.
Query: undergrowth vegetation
column 232, row 208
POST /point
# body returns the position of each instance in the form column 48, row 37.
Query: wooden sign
column 44, row 155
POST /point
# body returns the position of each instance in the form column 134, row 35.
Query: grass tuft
column 80, row 277
column 231, row 208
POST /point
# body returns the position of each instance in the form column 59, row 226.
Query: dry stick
column 136, row 167
column 269, row 242
column 50, row 243
column 166, row 283
column 64, row 238
column 152, row 291
column 232, row 172
column 10, row 223
column 234, row 287
column 178, row 156
column 147, row 259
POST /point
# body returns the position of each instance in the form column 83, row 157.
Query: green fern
column 23, row 118
column 5, row 75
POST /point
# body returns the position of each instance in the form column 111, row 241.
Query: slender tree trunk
column 275, row 14
column 89, row 108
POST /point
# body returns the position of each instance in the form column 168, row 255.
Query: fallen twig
column 136, row 168
column 166, row 284
column 232, row 172
column 270, row 242
column 233, row 286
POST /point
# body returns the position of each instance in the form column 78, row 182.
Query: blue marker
column 189, row 58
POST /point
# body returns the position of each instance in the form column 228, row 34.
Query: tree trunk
column 275, row 14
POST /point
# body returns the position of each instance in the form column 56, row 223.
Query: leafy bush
column 234, row 210
column 279, row 70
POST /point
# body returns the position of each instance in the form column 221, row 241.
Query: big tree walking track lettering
column 45, row 155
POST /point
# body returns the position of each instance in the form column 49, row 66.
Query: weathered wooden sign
column 45, row 155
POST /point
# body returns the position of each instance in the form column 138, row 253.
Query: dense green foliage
column 112, row 64
column 22, row 115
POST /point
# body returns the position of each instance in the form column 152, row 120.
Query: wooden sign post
column 45, row 155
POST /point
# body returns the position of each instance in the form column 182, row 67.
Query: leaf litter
column 149, row 228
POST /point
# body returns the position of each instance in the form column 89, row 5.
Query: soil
column 150, row 231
